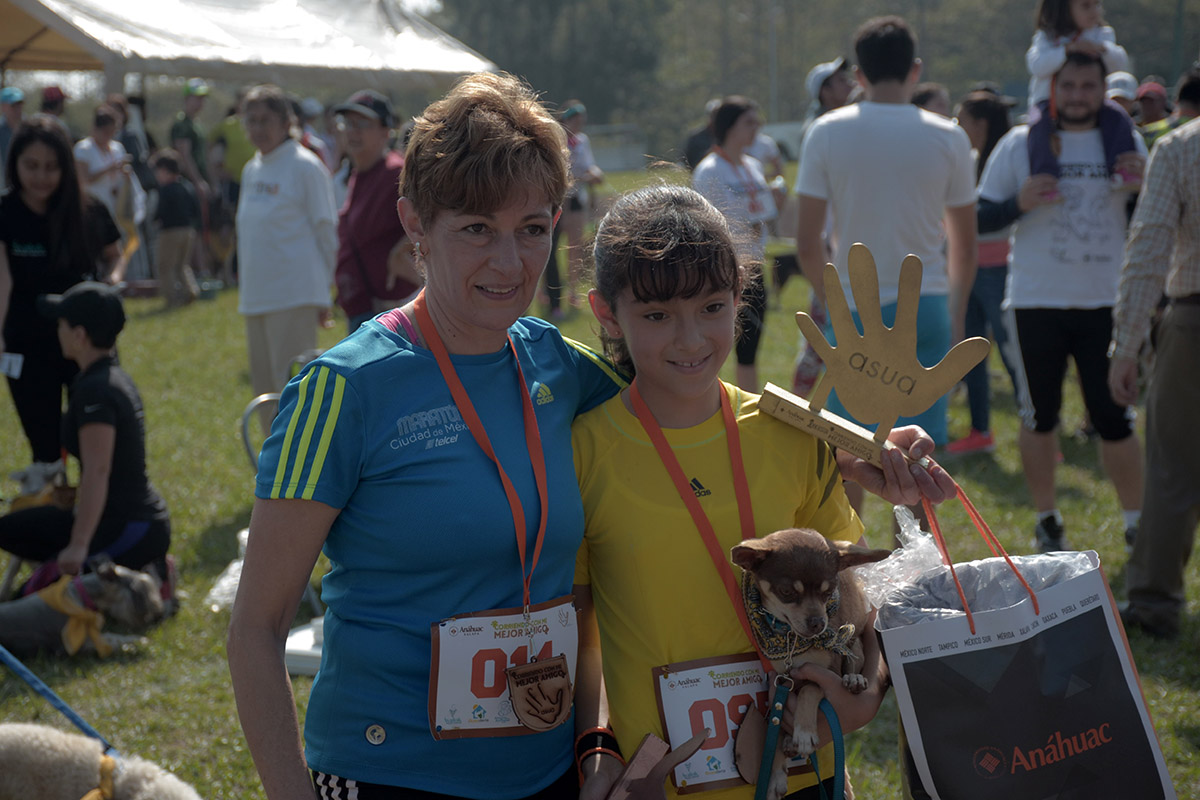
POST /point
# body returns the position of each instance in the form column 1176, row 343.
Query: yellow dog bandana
column 82, row 623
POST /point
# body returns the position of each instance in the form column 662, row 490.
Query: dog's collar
column 84, row 597
column 776, row 639
column 105, row 791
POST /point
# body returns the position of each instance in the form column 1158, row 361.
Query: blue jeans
column 983, row 314
column 933, row 342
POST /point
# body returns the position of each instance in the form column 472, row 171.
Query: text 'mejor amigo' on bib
column 877, row 374
column 483, row 681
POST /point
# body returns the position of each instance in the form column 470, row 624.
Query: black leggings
column 38, row 396
column 331, row 787
column 38, row 534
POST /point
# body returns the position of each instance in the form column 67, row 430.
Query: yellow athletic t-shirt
column 657, row 594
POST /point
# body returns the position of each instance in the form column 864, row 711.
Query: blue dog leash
column 45, row 691
column 839, row 754
column 783, row 686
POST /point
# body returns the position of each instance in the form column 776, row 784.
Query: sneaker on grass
column 974, row 442
column 1049, row 536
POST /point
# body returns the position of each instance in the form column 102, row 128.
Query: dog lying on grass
column 130, row 599
column 38, row 762
column 804, row 607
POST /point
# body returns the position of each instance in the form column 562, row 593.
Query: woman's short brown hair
column 487, row 139
column 274, row 100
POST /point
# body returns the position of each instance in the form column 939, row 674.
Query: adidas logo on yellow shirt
column 544, row 395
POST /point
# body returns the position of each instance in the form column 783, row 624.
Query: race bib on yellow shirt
column 713, row 693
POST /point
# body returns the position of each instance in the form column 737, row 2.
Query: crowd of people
column 588, row 470
column 1014, row 246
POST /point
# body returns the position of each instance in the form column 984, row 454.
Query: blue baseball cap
column 11, row 94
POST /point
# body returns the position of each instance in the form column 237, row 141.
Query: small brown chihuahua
column 804, row 607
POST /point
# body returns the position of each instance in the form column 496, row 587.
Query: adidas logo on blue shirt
column 544, row 395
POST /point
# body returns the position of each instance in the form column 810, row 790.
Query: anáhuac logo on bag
column 990, row 762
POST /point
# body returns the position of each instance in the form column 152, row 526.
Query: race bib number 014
column 713, row 693
column 468, row 689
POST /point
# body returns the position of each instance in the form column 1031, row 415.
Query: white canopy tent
column 346, row 43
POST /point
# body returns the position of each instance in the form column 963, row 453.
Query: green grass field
column 171, row 701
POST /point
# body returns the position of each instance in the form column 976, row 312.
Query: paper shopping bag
column 1039, row 700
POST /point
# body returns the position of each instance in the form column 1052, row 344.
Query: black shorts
column 331, row 787
column 1046, row 337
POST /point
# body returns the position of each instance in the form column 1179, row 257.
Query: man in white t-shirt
column 1064, row 265
column 899, row 179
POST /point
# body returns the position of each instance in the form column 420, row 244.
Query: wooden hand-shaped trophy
column 877, row 374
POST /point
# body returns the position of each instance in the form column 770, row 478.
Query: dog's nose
column 815, row 625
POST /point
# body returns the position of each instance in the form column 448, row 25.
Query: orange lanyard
column 741, row 488
column 533, row 439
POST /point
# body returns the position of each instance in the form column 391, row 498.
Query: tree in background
column 656, row 62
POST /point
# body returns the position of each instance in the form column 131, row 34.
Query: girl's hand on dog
column 854, row 709
column 901, row 482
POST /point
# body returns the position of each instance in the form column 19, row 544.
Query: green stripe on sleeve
column 285, row 448
column 599, row 361
column 305, row 438
column 335, row 407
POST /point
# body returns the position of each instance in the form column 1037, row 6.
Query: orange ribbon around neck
column 533, row 439
column 741, row 488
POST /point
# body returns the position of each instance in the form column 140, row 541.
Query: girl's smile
column 678, row 347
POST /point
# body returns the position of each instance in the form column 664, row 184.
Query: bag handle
column 992, row 542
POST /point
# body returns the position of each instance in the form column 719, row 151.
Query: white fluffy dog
column 37, row 761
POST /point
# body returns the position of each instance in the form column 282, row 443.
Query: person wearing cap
column 1187, row 107
column 54, row 104
column 829, row 84
column 375, row 270
column 287, row 243
column 117, row 510
column 584, row 175
column 12, row 111
column 1152, row 103
column 1121, row 88
column 187, row 137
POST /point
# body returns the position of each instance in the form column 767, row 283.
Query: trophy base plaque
column 840, row 433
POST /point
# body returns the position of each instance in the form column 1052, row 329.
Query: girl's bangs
column 686, row 269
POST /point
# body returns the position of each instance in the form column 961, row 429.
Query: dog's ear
column 103, row 566
column 852, row 555
column 750, row 554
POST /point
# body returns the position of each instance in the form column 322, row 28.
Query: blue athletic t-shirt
column 425, row 532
